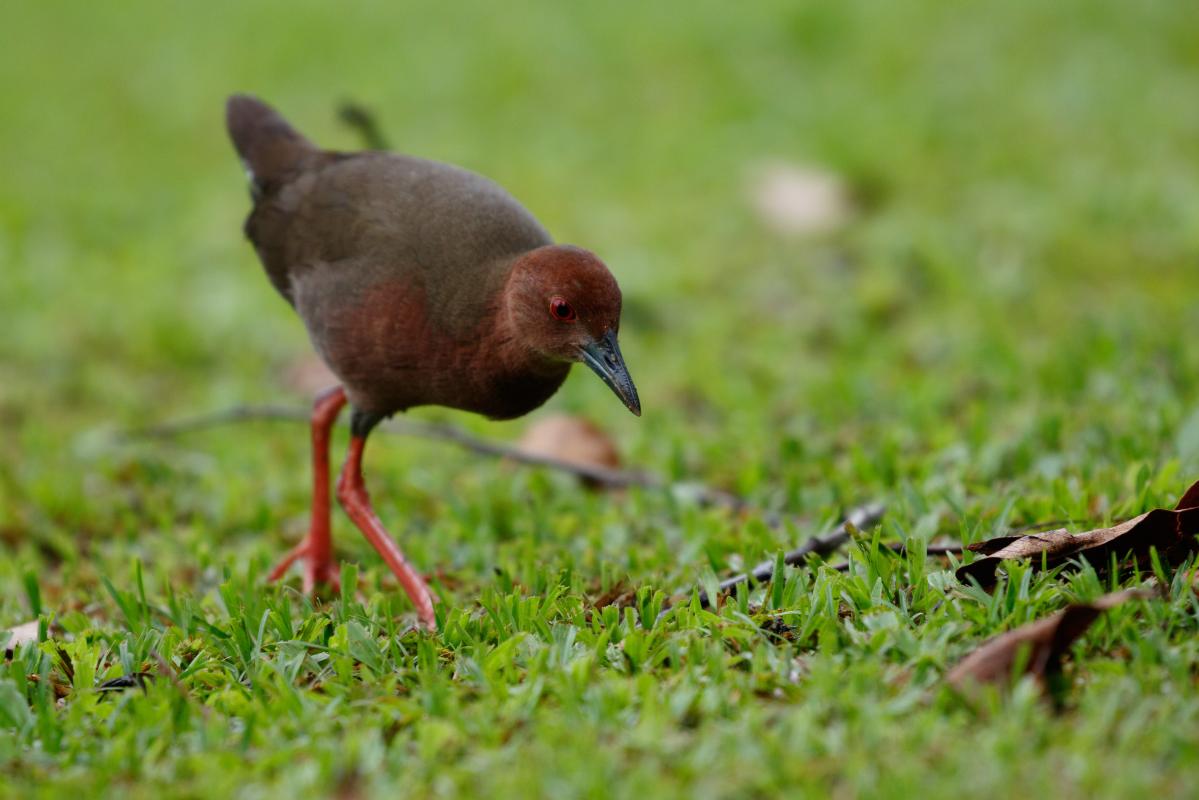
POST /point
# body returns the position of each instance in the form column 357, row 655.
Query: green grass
column 1004, row 334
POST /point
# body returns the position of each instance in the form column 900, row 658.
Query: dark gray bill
column 604, row 358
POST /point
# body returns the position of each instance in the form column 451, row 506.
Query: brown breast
column 379, row 340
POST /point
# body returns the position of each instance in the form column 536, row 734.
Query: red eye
column 562, row 310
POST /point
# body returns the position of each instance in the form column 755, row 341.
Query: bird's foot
column 318, row 569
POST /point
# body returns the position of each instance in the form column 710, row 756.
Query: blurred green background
column 993, row 324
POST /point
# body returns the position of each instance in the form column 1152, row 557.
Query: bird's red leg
column 317, row 547
column 351, row 491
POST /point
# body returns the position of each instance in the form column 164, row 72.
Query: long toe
column 316, row 571
column 280, row 569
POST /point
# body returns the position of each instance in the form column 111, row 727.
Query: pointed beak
column 604, row 358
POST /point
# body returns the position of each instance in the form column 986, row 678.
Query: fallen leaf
column 797, row 200
column 25, row 632
column 1170, row 531
column 571, row 440
column 620, row 594
column 1037, row 647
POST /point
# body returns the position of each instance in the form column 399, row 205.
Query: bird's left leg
column 351, row 492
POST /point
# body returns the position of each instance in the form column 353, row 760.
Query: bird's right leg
column 317, row 548
column 351, row 491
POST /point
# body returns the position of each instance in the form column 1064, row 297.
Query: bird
column 419, row 283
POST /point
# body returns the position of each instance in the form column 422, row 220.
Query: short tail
column 269, row 147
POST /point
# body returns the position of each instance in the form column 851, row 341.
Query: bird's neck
column 514, row 370
column 508, row 346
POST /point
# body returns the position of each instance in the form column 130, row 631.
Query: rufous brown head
column 564, row 304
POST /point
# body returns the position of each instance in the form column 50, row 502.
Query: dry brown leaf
column 572, row 440
column 25, row 632
column 620, row 594
column 1037, row 646
column 1170, row 531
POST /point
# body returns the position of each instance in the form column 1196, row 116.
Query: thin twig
column 859, row 518
column 604, row 476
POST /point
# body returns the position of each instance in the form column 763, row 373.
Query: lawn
column 1002, row 333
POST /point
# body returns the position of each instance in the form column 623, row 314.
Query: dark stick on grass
column 859, row 518
column 604, row 476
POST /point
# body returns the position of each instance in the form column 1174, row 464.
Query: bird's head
column 564, row 305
